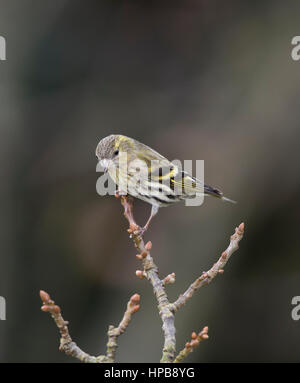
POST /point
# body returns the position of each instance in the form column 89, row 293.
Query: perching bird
column 145, row 174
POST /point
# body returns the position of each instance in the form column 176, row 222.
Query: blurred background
column 198, row 79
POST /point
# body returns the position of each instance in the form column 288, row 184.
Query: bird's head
column 107, row 151
column 109, row 148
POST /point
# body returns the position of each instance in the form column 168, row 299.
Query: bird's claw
column 141, row 231
column 137, row 230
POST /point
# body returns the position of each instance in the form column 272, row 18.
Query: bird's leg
column 154, row 211
column 127, row 202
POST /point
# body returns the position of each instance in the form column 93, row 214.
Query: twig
column 71, row 348
column 216, row 269
column 189, row 346
column 113, row 332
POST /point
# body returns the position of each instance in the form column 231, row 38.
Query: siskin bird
column 142, row 172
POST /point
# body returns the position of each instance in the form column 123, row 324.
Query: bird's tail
column 208, row 190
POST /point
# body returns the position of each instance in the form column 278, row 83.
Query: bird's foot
column 137, row 230
column 142, row 231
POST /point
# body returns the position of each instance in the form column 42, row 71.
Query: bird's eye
column 116, row 152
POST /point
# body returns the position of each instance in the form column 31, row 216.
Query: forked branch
column 167, row 309
column 71, row 348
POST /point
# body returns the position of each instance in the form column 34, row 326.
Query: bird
column 143, row 173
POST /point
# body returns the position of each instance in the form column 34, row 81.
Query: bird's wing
column 150, row 169
column 191, row 185
column 160, row 171
column 187, row 185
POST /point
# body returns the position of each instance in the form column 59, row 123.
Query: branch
column 216, row 269
column 114, row 332
column 151, row 273
column 167, row 309
column 189, row 346
column 71, row 348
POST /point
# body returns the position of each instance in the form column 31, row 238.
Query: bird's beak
column 104, row 163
